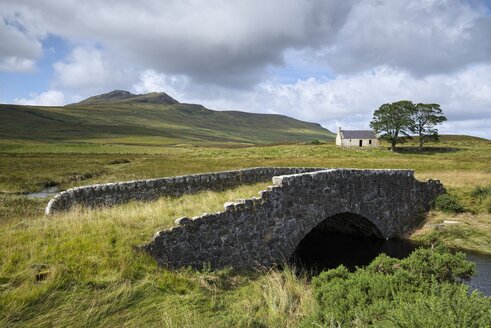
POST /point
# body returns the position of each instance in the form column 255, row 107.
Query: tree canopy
column 395, row 121
column 424, row 119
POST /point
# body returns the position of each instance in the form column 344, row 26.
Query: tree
column 425, row 117
column 394, row 121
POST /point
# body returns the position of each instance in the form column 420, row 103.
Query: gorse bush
column 448, row 203
column 423, row 290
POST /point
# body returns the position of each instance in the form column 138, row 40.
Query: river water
column 322, row 250
column 44, row 193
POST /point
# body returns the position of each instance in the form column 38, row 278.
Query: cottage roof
column 358, row 134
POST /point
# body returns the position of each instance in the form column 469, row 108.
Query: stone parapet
column 110, row 194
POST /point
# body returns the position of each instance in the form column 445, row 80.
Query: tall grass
column 286, row 297
column 80, row 269
column 471, row 232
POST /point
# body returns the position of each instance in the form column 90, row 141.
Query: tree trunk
column 394, row 140
column 393, row 145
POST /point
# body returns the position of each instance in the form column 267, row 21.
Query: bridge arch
column 331, row 243
column 350, row 223
column 263, row 231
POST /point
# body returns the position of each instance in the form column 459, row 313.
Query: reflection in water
column 322, row 250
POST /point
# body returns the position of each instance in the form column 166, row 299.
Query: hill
column 154, row 118
column 120, row 96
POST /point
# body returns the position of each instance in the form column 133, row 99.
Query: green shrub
column 448, row 203
column 422, row 290
column 481, row 192
column 482, row 196
column 487, row 204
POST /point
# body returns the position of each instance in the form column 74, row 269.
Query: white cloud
column 47, row 98
column 422, row 37
column 16, row 64
column 232, row 43
column 229, row 43
column 19, row 50
column 350, row 100
column 87, row 70
column 152, row 81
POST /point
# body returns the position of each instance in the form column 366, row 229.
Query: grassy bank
column 463, row 231
column 460, row 163
column 80, row 268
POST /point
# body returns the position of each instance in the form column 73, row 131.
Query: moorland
column 80, row 268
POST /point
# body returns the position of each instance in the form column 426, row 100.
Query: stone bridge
column 110, row 194
column 264, row 231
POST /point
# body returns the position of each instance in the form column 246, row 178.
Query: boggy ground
column 80, row 268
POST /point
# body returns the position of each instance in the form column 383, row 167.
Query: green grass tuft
column 449, row 204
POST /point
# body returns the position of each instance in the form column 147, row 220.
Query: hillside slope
column 156, row 118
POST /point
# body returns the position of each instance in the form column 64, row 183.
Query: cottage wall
column 356, row 142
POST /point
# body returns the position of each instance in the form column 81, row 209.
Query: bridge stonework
column 110, row 194
column 264, row 231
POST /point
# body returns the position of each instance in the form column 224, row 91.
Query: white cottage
column 357, row 138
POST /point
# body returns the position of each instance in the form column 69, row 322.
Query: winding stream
column 44, row 193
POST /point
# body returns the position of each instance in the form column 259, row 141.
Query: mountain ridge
column 153, row 118
column 119, row 96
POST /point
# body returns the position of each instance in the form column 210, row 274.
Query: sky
column 325, row 61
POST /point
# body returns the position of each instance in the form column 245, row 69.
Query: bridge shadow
column 347, row 239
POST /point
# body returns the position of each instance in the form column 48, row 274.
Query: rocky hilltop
column 120, row 96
